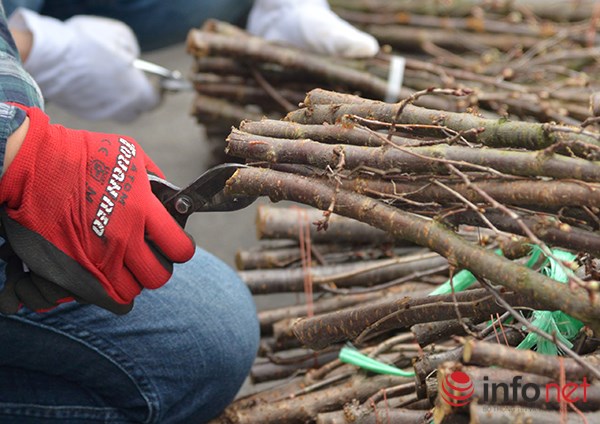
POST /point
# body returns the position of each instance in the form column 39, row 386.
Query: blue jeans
column 156, row 23
column 179, row 356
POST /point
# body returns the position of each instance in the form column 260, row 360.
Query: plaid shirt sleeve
column 16, row 86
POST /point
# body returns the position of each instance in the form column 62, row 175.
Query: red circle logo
column 457, row 389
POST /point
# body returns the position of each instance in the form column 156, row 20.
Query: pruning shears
column 169, row 80
column 205, row 194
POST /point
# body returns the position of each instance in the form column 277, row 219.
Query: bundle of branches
column 504, row 385
column 354, row 269
column 238, row 76
column 406, row 333
column 525, row 53
column 555, row 10
column 350, row 265
column 419, row 176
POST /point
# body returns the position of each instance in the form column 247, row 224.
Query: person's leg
column 179, row 356
column 156, row 23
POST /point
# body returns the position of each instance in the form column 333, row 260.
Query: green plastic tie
column 552, row 322
column 354, row 357
column 562, row 325
column 461, row 281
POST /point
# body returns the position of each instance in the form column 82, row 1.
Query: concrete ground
column 174, row 140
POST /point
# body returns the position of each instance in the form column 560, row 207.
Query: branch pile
column 408, row 197
column 520, row 60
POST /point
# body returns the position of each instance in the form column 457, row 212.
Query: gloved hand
column 309, row 24
column 84, row 65
column 80, row 213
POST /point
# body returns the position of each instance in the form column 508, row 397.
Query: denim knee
column 227, row 334
column 181, row 355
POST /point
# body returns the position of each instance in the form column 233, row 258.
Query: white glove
column 85, row 65
column 309, row 24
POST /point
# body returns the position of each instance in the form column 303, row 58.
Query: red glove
column 79, row 212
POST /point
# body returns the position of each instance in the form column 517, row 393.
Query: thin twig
column 271, row 91
column 412, row 276
column 563, row 347
column 591, row 287
column 470, row 205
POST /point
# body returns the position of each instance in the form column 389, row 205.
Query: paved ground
column 178, row 145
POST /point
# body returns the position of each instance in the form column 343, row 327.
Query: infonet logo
column 458, row 389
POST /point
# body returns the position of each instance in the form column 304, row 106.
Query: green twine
column 354, row 357
column 562, row 325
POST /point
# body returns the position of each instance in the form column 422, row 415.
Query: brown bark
column 321, row 331
column 268, row 371
column 326, row 134
column 230, row 66
column 410, row 38
column 301, row 409
column 206, row 107
column 247, row 94
column 479, row 24
column 551, row 295
column 561, row 11
column 530, row 193
column 282, row 331
column 547, row 228
column 431, row 332
column 202, row 43
column 270, row 345
column 487, row 354
column 324, row 106
column 409, row 159
column 425, row 365
column 266, row 258
column 363, row 274
column 268, row 317
column 269, row 258
column 284, row 223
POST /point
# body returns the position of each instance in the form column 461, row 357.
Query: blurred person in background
column 81, row 52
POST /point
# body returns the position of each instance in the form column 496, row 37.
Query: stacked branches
column 350, row 265
column 523, row 59
column 428, row 178
column 531, row 59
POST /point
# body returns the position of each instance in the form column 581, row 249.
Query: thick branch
column 326, row 134
column 270, row 316
column 202, row 43
column 546, row 228
column 542, row 290
column 325, row 106
column 487, row 354
column 409, row 159
column 519, row 193
column 323, row 330
column 285, row 223
column 365, row 274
